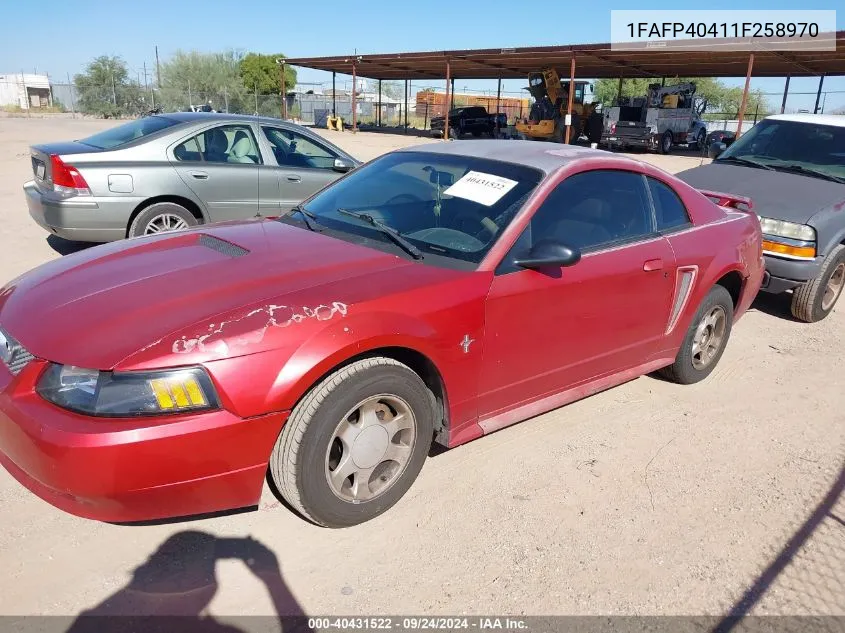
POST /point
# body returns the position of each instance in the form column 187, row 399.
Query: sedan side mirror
column 549, row 254
column 342, row 165
column 716, row 149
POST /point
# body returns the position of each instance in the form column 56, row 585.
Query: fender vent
column 222, row 246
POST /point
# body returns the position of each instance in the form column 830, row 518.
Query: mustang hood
column 776, row 194
column 95, row 308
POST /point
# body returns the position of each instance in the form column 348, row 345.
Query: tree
column 722, row 101
column 262, row 71
column 193, row 78
column 104, row 89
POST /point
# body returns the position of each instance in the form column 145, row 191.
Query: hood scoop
column 222, row 246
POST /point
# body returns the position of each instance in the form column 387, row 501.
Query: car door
column 304, row 165
column 221, row 165
column 549, row 330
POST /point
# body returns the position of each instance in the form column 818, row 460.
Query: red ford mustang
column 435, row 294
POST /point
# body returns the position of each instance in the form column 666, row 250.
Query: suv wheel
column 814, row 300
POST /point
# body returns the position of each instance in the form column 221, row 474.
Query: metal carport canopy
column 594, row 61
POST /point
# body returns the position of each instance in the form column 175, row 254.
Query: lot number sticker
column 482, row 188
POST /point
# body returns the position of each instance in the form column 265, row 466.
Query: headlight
column 787, row 229
column 109, row 394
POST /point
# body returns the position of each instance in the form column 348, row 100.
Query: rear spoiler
column 729, row 200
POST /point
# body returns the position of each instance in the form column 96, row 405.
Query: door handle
column 199, row 175
column 294, row 178
column 652, row 265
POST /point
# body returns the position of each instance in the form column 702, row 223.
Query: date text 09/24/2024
column 417, row 623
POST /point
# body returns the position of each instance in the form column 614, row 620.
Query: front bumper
column 786, row 274
column 81, row 218
column 130, row 470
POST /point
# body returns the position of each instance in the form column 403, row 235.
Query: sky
column 61, row 37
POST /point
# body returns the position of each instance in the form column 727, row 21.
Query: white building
column 25, row 91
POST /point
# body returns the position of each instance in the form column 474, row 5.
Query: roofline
column 599, row 61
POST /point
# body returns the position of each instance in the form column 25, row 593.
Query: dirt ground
column 648, row 499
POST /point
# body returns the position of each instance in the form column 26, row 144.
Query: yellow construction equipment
column 547, row 119
column 334, row 123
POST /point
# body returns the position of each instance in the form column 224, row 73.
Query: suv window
column 293, row 149
column 670, row 211
column 594, row 209
column 234, row 144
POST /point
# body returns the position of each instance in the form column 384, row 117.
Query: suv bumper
column 785, row 274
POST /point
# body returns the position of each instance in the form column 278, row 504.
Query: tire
column 687, row 368
column 700, row 140
column 666, row 142
column 454, row 133
column 595, row 128
column 302, row 459
column 814, row 300
column 560, row 130
column 160, row 214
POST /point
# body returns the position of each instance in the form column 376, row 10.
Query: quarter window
column 670, row 211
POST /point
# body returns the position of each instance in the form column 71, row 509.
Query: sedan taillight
column 67, row 179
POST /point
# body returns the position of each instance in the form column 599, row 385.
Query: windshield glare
column 449, row 205
column 127, row 132
column 781, row 143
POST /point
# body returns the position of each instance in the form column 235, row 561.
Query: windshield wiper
column 392, row 233
column 744, row 161
column 810, row 172
column 307, row 217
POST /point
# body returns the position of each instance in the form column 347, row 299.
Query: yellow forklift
column 547, row 118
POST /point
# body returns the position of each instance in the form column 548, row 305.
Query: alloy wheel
column 164, row 223
column 834, row 287
column 709, row 336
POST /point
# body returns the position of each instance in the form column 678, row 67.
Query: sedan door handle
column 294, row 178
column 199, row 175
column 652, row 265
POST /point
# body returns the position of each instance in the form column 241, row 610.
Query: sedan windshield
column 443, row 204
column 808, row 148
column 123, row 134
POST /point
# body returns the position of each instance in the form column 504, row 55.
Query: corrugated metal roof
column 594, row 61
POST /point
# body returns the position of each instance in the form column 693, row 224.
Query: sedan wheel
column 355, row 442
column 371, row 448
column 705, row 340
column 161, row 217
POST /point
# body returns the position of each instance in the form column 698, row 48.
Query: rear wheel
column 814, row 300
column 700, row 140
column 161, row 217
column 666, row 142
column 706, row 339
column 355, row 443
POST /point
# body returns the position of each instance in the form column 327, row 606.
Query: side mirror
column 342, row 165
column 549, row 254
column 716, row 149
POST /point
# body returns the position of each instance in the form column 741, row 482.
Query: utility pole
column 72, row 104
column 113, row 91
column 158, row 70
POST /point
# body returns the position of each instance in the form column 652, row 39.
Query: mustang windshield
column 807, row 148
column 448, row 205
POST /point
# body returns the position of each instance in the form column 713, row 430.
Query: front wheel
column 355, row 443
column 706, row 339
column 814, row 300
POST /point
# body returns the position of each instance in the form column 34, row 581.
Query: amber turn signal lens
column 807, row 252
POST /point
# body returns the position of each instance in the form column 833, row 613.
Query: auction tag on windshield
column 482, row 188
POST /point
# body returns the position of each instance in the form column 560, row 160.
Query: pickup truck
column 473, row 120
column 793, row 167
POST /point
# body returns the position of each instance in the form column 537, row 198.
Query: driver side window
column 589, row 211
column 293, row 149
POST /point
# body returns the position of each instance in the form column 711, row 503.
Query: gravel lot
column 650, row 498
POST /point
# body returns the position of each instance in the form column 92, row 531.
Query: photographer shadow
column 172, row 589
